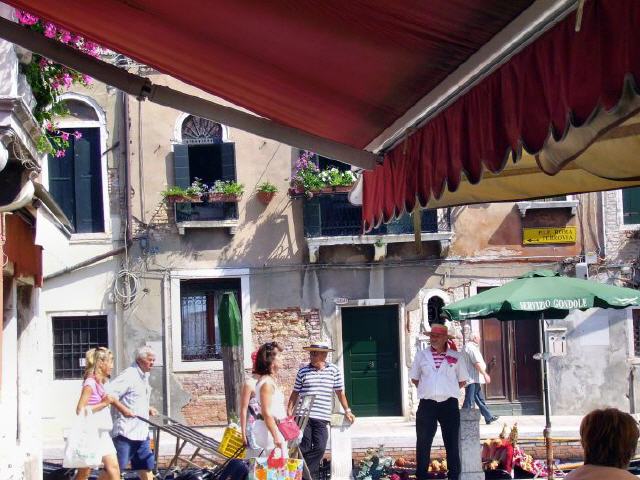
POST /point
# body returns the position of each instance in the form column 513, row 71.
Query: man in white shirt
column 439, row 373
column 478, row 376
column 130, row 434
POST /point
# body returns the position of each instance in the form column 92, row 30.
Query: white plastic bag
column 81, row 448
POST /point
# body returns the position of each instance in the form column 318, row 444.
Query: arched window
column 76, row 179
column 201, row 130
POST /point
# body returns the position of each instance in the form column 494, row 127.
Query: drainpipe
column 86, row 263
column 127, row 165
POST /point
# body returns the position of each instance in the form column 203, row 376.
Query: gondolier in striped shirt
column 321, row 379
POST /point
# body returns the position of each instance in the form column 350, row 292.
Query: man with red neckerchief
column 439, row 373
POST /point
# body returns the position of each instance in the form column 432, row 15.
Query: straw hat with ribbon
column 319, row 347
column 439, row 329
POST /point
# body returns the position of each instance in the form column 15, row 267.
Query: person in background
column 609, row 438
column 270, row 399
column 478, row 376
column 131, row 435
column 249, row 410
column 98, row 368
column 438, row 373
column 321, row 379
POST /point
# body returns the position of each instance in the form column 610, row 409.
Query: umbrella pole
column 547, row 403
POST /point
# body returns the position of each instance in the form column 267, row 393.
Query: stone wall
column 622, row 244
column 291, row 327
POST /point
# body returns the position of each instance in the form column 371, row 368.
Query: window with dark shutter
column 631, row 206
column 75, row 181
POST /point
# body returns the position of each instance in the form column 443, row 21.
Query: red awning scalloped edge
column 563, row 80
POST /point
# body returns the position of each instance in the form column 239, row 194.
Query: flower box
column 224, row 197
column 183, row 199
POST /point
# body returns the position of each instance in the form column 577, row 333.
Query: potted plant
column 226, row 191
column 306, row 176
column 174, row 194
column 266, row 191
column 337, row 180
column 195, row 191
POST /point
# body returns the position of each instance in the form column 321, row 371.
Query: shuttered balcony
column 333, row 220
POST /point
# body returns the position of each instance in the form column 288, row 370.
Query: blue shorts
column 138, row 452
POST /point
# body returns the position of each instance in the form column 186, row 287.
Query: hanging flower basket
column 224, row 197
column 265, row 197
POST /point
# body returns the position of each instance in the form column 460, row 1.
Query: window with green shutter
column 631, row 206
column 75, row 181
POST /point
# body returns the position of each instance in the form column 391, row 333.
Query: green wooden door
column 370, row 338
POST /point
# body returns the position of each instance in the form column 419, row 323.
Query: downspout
column 124, row 98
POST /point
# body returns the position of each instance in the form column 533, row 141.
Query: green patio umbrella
column 541, row 291
column 538, row 295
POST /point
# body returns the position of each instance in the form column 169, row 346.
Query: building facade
column 139, row 270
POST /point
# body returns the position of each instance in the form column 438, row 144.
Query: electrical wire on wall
column 127, row 282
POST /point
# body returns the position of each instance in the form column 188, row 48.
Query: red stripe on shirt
column 438, row 358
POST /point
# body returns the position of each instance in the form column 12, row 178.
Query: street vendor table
column 205, row 447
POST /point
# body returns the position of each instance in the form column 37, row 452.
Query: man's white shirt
column 442, row 383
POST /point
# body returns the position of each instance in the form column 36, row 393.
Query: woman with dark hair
column 270, row 399
column 609, row 438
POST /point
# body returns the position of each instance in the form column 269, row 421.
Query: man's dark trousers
column 314, row 444
column 429, row 414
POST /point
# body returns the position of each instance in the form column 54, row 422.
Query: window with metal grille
column 636, row 332
column 199, row 302
column 72, row 337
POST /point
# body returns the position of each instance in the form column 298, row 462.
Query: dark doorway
column 516, row 378
column 371, row 344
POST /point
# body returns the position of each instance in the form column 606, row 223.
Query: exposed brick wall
column 292, row 328
column 207, row 404
column 623, row 245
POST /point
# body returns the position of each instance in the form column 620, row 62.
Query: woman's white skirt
column 264, row 440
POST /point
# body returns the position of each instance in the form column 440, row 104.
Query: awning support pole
column 142, row 88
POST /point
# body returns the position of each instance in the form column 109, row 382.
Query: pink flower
column 50, row 30
column 59, row 153
column 49, row 126
column 65, row 36
column 43, row 62
column 86, row 79
column 77, row 134
column 67, row 79
column 91, row 48
column 26, row 18
column 65, row 136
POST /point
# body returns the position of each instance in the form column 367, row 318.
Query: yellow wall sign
column 539, row 236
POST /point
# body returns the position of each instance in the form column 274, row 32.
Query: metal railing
column 333, row 215
column 206, row 211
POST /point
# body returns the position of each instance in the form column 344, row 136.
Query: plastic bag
column 81, row 448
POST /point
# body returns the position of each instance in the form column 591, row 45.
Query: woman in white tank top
column 270, row 399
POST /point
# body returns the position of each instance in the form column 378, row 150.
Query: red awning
column 343, row 70
column 348, row 71
column 562, row 81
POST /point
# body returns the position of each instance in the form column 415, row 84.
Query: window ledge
column 378, row 241
column 530, row 205
column 101, row 238
column 182, row 366
column 232, row 225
